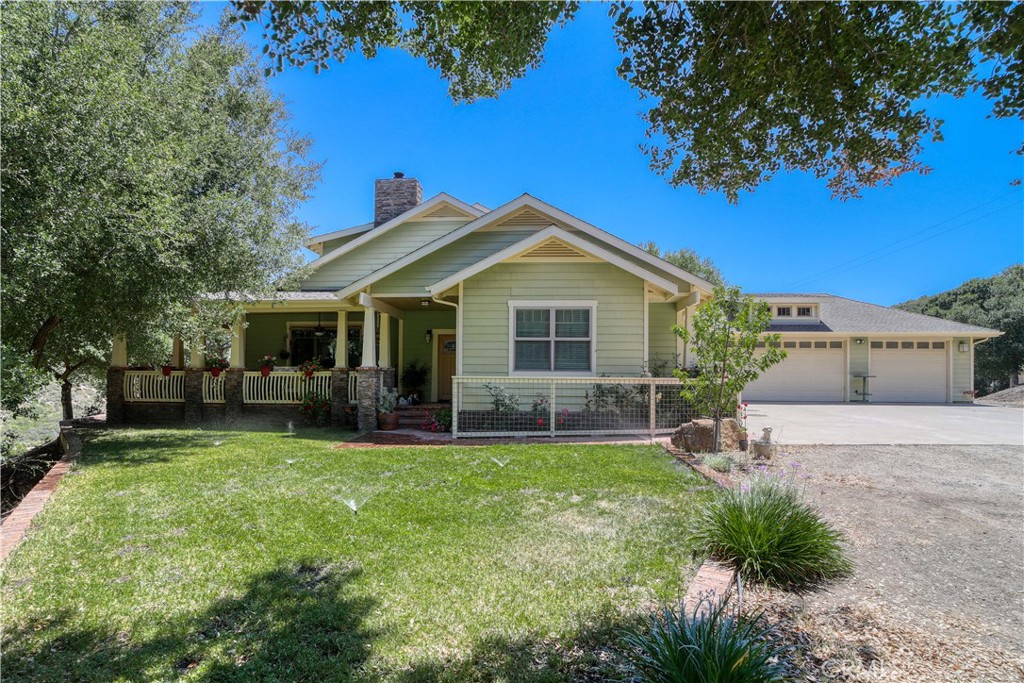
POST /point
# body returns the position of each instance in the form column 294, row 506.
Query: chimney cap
column 399, row 174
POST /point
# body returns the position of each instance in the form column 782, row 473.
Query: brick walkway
column 16, row 524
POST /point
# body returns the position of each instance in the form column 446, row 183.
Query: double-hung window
column 552, row 338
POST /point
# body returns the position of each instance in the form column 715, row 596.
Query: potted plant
column 309, row 367
column 414, row 377
column 387, row 418
column 167, row 369
column 216, row 364
column 267, row 364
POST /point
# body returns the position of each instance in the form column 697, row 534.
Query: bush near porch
column 198, row 555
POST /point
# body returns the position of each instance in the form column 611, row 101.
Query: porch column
column 237, row 359
column 369, row 359
column 384, row 360
column 115, row 381
column 196, row 357
column 341, row 341
column 177, row 353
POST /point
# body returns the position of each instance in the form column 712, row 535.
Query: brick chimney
column 394, row 196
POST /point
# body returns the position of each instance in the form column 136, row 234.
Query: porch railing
column 567, row 406
column 353, row 384
column 213, row 388
column 284, row 387
column 152, row 386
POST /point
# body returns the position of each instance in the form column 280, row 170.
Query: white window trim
column 551, row 304
column 810, row 314
column 778, row 311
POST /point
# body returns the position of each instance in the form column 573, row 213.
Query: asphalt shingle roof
column 838, row 314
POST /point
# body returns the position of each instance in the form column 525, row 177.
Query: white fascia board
column 354, row 230
column 426, row 206
column 541, row 237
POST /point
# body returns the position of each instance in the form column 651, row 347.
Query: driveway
column 937, row 533
column 888, row 423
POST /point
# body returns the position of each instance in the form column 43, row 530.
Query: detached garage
column 845, row 350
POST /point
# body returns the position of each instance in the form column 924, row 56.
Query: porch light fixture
column 858, row 341
column 424, row 303
column 963, row 347
column 319, row 330
column 429, row 336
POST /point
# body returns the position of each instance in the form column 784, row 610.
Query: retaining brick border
column 17, row 523
column 714, row 580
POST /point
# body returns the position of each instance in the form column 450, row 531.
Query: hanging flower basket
column 267, row 364
column 216, row 364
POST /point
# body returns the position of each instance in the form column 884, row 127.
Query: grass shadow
column 295, row 622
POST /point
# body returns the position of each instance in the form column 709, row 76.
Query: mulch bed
column 19, row 474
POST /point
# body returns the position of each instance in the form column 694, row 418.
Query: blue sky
column 568, row 133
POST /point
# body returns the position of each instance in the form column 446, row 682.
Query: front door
column 445, row 366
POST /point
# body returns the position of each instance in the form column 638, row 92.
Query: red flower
column 540, row 421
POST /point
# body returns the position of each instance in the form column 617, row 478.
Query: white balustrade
column 213, row 388
column 153, row 386
column 284, row 387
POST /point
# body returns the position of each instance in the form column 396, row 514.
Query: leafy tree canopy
column 142, row 168
column 688, row 260
column 739, row 90
column 996, row 302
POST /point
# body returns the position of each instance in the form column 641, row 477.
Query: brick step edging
column 17, row 523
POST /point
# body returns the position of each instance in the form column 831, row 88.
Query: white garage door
column 813, row 371
column 908, row 372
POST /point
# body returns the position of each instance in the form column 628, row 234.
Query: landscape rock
column 698, row 436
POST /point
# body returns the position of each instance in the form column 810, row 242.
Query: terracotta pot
column 309, row 374
column 387, row 421
column 265, row 370
column 215, row 372
column 167, row 369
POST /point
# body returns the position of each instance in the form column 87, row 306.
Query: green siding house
column 529, row 310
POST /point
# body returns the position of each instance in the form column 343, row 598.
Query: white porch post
column 196, row 357
column 401, row 346
column 119, row 356
column 177, row 352
column 385, row 341
column 369, row 359
column 237, row 359
column 341, row 341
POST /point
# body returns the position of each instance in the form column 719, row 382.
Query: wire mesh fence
column 565, row 406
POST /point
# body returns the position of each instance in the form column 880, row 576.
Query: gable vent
column 553, row 249
column 527, row 217
column 446, row 211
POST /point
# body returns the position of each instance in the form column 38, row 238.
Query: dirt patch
column 1014, row 396
column 867, row 642
column 936, row 532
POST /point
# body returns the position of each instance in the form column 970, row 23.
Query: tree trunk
column 65, row 400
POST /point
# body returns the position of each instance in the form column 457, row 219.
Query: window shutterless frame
column 551, row 337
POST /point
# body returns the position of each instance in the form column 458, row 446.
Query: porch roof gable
column 548, row 234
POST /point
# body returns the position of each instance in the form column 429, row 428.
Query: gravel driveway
column 936, row 531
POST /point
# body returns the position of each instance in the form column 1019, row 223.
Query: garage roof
column 839, row 314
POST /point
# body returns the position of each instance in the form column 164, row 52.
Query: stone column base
column 368, row 393
column 194, row 395
column 115, row 395
column 233, row 392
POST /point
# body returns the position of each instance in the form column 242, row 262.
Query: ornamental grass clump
column 719, row 463
column 709, row 645
column 771, row 536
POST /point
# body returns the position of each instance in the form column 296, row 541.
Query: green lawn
column 232, row 556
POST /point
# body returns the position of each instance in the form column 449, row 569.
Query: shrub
column 503, row 400
column 439, row 421
column 771, row 536
column 719, row 463
column 710, row 645
column 315, row 408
